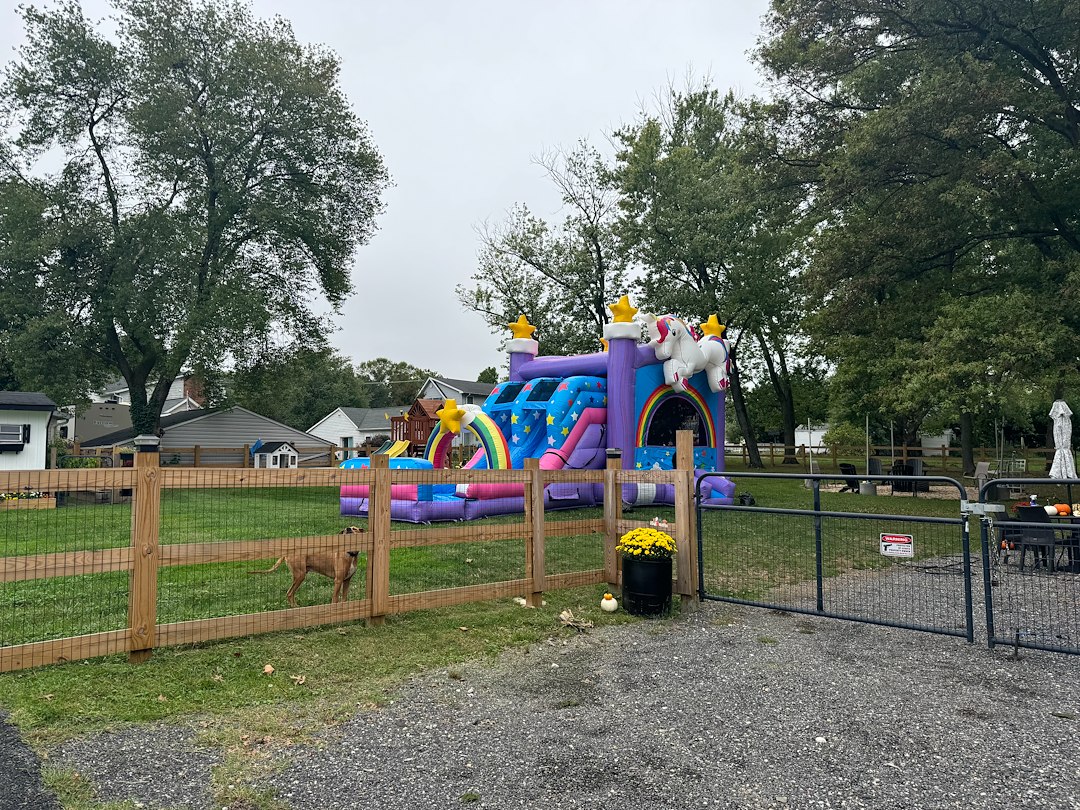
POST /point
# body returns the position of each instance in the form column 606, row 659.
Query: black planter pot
column 646, row 585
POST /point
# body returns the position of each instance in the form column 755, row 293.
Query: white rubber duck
column 609, row 603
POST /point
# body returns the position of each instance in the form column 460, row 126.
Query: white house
column 461, row 391
column 24, row 429
column 353, row 427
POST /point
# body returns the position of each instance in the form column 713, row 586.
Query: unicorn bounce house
column 568, row 411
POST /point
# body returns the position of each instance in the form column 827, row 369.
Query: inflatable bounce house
column 568, row 411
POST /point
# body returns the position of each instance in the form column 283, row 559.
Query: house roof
column 372, row 418
column 167, row 423
column 273, row 447
column 117, row 386
column 127, row 434
column 25, row 401
column 451, row 387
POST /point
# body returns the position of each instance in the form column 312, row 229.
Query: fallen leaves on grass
column 268, row 669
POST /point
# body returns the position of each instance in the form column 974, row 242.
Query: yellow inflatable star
column 713, row 327
column 623, row 310
column 522, row 328
column 450, row 416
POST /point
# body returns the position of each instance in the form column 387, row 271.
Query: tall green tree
column 297, row 386
column 561, row 276
column 717, row 225
column 212, row 181
column 390, row 382
column 945, row 139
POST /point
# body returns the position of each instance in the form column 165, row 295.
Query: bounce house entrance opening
column 673, row 415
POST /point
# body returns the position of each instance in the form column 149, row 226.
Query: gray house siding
column 234, row 428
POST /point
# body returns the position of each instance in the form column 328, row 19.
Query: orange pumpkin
column 1063, row 508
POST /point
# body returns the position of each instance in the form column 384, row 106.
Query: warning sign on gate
column 897, row 545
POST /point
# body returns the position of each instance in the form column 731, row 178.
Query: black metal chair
column 900, row 468
column 851, row 482
column 1042, row 541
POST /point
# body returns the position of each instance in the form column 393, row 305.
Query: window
column 11, row 434
column 14, row 437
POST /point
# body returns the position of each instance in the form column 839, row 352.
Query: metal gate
column 805, row 546
column 1031, row 566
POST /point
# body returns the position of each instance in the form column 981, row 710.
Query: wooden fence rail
column 231, row 457
column 936, row 460
column 145, row 557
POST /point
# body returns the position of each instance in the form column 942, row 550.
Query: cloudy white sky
column 460, row 96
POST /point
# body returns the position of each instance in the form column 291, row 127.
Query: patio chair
column 851, row 482
column 1042, row 542
column 981, row 474
column 900, row 468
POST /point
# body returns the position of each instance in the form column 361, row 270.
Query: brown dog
column 337, row 565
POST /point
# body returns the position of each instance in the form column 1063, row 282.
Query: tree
column 391, row 383
column 945, row 139
column 562, row 277
column 488, row 375
column 213, row 180
column 297, row 386
column 718, row 225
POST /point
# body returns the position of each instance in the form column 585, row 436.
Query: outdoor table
column 1071, row 540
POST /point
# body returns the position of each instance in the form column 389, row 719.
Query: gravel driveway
column 727, row 707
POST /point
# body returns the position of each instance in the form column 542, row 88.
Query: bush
column 80, row 463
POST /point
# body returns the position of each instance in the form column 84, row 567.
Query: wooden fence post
column 612, row 515
column 535, row 554
column 245, row 462
column 379, row 525
column 686, row 579
column 196, row 456
column 142, row 584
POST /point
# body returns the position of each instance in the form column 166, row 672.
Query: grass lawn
column 747, row 554
column 322, row 675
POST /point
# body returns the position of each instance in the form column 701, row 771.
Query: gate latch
column 982, row 509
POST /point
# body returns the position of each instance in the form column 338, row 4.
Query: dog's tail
column 270, row 570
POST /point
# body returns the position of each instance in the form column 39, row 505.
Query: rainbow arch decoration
column 485, row 430
column 663, row 393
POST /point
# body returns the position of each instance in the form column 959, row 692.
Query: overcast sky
column 459, row 97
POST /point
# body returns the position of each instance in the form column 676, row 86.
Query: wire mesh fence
column 130, row 559
column 1031, row 541
column 807, row 546
column 64, row 538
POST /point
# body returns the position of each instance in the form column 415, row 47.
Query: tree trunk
column 145, row 419
column 742, row 415
column 781, row 383
column 967, row 450
column 146, row 411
